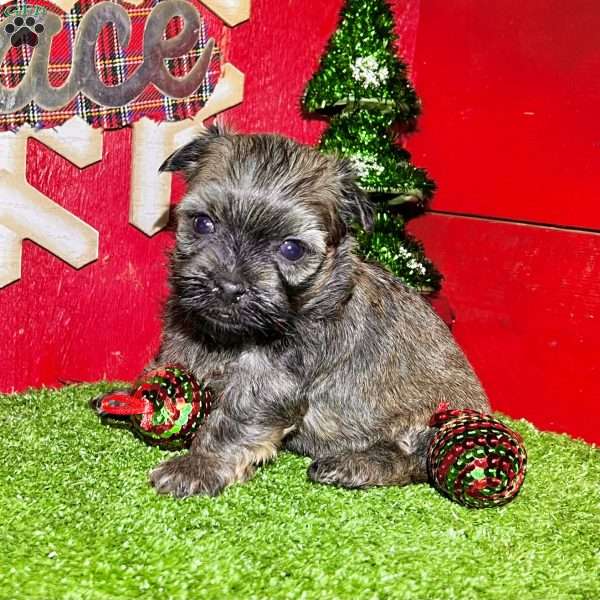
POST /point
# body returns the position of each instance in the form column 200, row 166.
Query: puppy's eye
column 292, row 250
column 203, row 224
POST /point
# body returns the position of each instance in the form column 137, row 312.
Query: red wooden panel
column 278, row 50
column 527, row 306
column 511, row 94
column 61, row 324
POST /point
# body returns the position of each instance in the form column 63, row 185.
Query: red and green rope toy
column 475, row 459
column 166, row 409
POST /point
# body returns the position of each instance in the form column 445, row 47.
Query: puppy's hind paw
column 382, row 464
column 335, row 470
column 189, row 475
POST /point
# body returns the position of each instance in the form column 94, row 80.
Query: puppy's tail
column 414, row 444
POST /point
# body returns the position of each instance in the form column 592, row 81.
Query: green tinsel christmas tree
column 363, row 86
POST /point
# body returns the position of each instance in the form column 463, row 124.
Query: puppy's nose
column 231, row 290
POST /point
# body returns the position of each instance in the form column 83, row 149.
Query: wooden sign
column 25, row 213
column 84, row 77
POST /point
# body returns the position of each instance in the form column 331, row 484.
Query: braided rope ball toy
column 475, row 459
column 165, row 409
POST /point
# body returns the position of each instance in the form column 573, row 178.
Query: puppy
column 308, row 347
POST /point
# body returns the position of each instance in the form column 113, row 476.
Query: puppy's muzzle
column 230, row 290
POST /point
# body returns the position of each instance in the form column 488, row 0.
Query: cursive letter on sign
column 84, row 77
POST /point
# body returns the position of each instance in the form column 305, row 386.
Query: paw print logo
column 24, row 31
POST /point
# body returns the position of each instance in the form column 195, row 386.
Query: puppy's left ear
column 355, row 204
column 188, row 159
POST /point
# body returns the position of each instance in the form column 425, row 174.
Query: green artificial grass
column 78, row 520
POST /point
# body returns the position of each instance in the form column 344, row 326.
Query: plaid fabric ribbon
column 114, row 65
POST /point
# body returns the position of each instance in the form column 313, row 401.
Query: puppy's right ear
column 188, row 158
column 355, row 203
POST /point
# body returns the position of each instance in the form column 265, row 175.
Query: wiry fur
column 329, row 357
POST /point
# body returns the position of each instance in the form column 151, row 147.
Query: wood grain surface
column 511, row 94
column 526, row 302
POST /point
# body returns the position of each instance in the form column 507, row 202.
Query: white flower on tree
column 367, row 71
column 364, row 165
column 403, row 252
column 411, row 262
column 415, row 265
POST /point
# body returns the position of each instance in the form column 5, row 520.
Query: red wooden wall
column 509, row 132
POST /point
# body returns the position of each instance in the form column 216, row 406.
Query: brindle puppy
column 310, row 348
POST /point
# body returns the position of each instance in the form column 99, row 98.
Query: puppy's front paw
column 190, row 475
